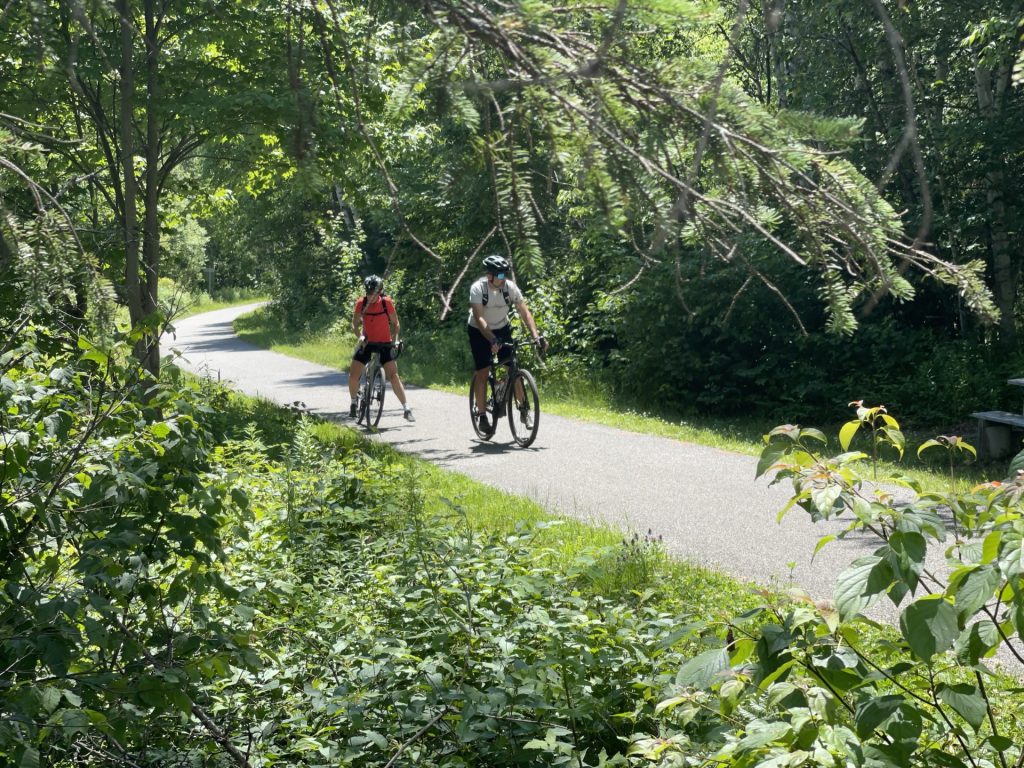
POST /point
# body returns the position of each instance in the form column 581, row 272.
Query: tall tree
column 137, row 87
column 942, row 122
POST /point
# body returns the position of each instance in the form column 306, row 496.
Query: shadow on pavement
column 218, row 337
column 322, row 379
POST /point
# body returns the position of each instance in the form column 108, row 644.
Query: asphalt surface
column 704, row 502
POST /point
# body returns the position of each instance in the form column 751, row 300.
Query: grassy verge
column 558, row 540
column 203, row 302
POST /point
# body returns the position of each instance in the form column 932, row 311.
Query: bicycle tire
column 376, row 407
column 490, row 410
column 523, row 417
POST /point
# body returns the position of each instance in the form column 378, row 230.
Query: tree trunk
column 126, row 136
column 774, row 18
column 151, row 227
column 991, row 92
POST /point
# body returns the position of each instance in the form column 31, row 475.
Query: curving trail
column 703, row 501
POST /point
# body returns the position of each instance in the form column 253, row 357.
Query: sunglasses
column 500, row 276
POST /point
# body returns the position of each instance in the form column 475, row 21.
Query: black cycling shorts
column 482, row 347
column 363, row 355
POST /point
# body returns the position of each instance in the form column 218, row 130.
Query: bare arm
column 478, row 313
column 527, row 317
column 396, row 326
column 357, row 321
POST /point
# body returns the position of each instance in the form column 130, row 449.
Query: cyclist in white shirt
column 490, row 300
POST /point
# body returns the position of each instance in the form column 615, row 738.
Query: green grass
column 560, row 539
column 666, row 584
column 194, row 305
column 442, row 369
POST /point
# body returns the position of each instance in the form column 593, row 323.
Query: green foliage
column 186, row 252
column 821, row 683
column 111, row 535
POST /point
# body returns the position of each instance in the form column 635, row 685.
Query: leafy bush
column 653, row 354
column 804, row 683
column 111, row 534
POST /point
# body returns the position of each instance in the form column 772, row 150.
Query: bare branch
column 446, row 299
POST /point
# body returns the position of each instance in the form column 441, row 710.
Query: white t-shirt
column 496, row 311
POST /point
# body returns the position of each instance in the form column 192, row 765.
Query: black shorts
column 363, row 355
column 482, row 347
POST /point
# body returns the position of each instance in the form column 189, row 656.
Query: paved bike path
column 704, row 502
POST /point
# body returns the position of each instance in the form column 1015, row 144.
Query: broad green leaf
column 760, row 734
column 769, row 457
column 776, row 692
column 669, row 704
column 860, row 584
column 824, row 540
column 814, row 434
column 977, row 641
column 896, row 438
column 846, row 433
column 990, row 547
column 976, row 588
column 876, row 711
column 908, row 553
column 825, row 498
column 375, row 738
column 1016, row 465
column 929, row 626
column 28, row 758
column 966, row 700
column 49, row 697
column 701, row 670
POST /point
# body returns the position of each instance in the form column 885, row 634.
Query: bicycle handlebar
column 517, row 343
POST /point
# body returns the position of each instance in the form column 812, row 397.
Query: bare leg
column 480, row 389
column 391, row 371
column 354, row 372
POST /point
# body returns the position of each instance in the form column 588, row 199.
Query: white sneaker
column 408, row 415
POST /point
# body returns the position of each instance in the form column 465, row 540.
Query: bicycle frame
column 520, row 400
column 371, row 391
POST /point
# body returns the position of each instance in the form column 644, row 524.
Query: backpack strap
column 366, row 306
column 504, row 293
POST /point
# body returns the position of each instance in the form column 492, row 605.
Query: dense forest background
column 766, row 207
column 704, row 203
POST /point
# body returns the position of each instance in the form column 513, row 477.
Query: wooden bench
column 994, row 428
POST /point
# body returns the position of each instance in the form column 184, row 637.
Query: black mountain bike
column 512, row 393
column 370, row 395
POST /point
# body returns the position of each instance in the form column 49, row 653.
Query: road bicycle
column 370, row 395
column 512, row 393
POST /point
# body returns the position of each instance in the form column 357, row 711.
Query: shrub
column 799, row 682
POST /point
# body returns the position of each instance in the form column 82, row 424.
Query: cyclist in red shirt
column 373, row 321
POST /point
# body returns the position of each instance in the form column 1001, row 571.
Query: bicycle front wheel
column 524, row 409
column 489, row 410
column 376, row 398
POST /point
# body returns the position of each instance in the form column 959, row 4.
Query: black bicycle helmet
column 496, row 263
column 373, row 283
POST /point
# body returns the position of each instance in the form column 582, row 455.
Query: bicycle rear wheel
column 376, row 398
column 523, row 409
column 490, row 410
